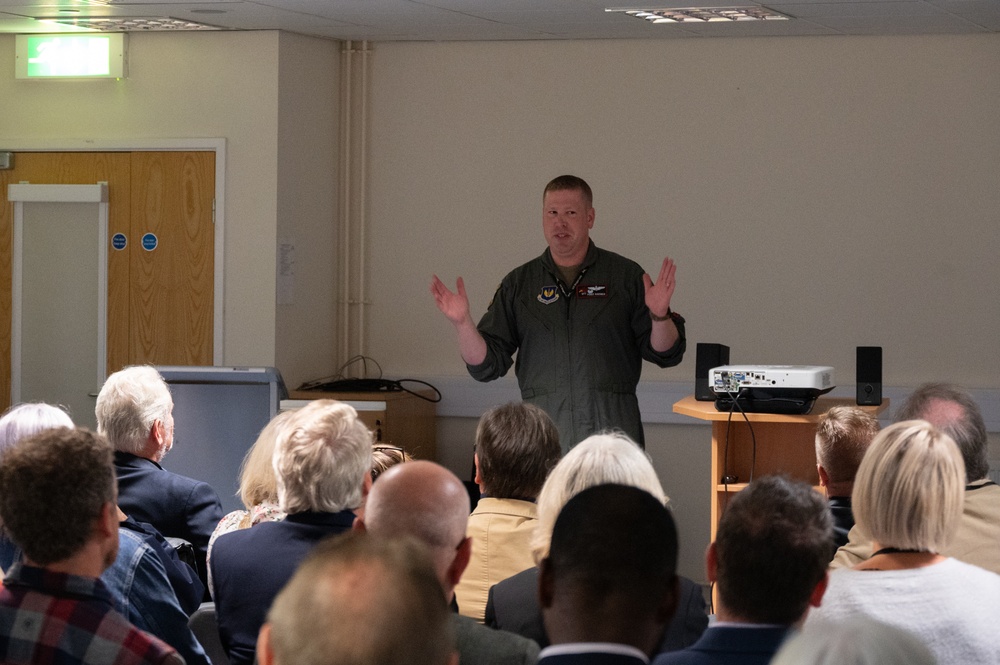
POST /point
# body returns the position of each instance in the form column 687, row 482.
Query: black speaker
column 869, row 374
column 708, row 356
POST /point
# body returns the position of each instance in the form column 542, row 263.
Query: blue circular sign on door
column 149, row 242
column 119, row 241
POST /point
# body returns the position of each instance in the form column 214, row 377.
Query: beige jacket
column 501, row 531
column 977, row 540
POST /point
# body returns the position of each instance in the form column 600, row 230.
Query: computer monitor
column 218, row 413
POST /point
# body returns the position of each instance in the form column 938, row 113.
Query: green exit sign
column 70, row 56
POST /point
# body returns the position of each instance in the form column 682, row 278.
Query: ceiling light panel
column 702, row 14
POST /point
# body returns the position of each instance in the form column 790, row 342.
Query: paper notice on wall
column 286, row 271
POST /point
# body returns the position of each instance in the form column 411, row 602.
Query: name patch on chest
column 548, row 295
column 592, row 291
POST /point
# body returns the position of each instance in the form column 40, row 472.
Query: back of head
column 385, row 457
column 53, row 486
column 25, row 420
column 597, row 460
column 854, row 641
column 424, row 501
column 772, row 548
column 130, row 401
column 361, row 600
column 842, row 437
column 516, row 445
column 258, row 483
column 953, row 411
column 910, row 488
column 570, row 183
column 321, row 458
column 614, row 539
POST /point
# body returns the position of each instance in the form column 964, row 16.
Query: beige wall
column 252, row 89
column 305, row 321
column 817, row 193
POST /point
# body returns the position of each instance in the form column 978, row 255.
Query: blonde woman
column 908, row 498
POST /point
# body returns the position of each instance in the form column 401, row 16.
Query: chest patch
column 592, row 291
column 548, row 295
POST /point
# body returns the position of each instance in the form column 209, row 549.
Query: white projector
column 769, row 388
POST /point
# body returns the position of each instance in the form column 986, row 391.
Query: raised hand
column 658, row 295
column 453, row 305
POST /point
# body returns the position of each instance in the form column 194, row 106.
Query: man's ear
column 668, row 604
column 824, row 477
column 475, row 462
column 359, row 525
column 816, row 597
column 265, row 654
column 712, row 563
column 545, row 583
column 107, row 523
column 461, row 561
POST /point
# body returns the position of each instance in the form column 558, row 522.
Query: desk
column 785, row 444
column 396, row 418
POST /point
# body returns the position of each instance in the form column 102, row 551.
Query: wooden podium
column 784, row 444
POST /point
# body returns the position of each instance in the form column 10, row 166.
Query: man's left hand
column 658, row 295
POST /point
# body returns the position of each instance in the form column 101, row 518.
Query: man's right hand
column 453, row 305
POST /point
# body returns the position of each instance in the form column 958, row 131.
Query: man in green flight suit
column 581, row 320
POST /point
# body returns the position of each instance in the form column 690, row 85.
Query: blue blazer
column 250, row 567
column 176, row 506
column 729, row 645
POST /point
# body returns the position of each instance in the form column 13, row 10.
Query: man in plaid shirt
column 57, row 502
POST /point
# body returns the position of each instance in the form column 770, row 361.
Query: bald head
column 422, row 500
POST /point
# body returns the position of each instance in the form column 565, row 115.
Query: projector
column 789, row 389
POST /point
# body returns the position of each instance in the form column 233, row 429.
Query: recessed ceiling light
column 702, row 14
column 144, row 24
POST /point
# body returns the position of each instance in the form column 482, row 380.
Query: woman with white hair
column 908, row 498
column 598, row 460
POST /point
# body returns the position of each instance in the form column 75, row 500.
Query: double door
column 160, row 256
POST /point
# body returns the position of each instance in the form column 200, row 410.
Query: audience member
column 425, row 501
column 322, row 459
column 57, row 501
column 842, row 436
column 854, row 641
column 516, row 445
column 384, row 457
column 135, row 412
column 908, row 497
column 608, row 586
column 952, row 410
column 146, row 579
column 597, row 460
column 359, row 600
column 258, row 486
column 768, row 562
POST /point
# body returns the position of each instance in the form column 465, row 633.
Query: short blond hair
column 321, row 458
column 129, row 403
column 600, row 459
column 843, row 434
column 910, row 487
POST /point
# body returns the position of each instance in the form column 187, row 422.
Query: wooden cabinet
column 397, row 418
column 770, row 443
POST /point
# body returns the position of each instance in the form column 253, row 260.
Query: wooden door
column 160, row 302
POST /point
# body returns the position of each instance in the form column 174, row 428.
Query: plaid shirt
column 54, row 618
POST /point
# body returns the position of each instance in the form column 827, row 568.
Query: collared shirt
column 54, row 618
column 592, row 648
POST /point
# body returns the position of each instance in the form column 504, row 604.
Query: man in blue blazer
column 322, row 460
column 135, row 412
column 608, row 587
column 769, row 563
